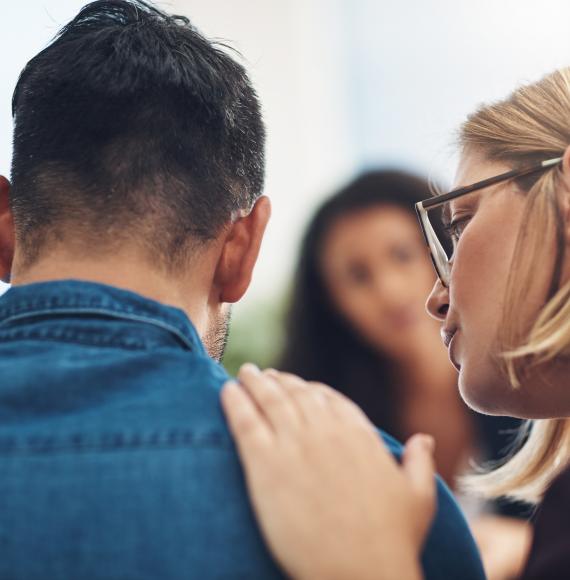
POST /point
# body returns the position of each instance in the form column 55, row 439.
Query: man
column 134, row 218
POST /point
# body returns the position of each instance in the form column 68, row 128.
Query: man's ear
column 240, row 251
column 7, row 236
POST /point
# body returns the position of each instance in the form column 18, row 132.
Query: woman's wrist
column 386, row 563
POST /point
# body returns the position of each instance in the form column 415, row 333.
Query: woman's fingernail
column 231, row 387
column 250, row 368
column 429, row 443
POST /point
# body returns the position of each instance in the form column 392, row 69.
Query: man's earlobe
column 240, row 251
column 7, row 234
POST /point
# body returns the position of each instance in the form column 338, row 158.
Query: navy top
column 115, row 458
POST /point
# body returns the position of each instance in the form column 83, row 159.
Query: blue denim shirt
column 115, row 459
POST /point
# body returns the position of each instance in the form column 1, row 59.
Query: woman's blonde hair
column 531, row 125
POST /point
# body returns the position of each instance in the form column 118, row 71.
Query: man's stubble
column 216, row 337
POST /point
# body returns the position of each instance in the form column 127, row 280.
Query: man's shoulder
column 146, row 408
column 136, row 455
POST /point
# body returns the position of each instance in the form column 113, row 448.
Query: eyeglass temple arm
column 441, row 199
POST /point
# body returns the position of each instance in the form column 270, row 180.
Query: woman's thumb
column 419, row 466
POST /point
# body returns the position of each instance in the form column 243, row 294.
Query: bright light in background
column 418, row 68
column 344, row 84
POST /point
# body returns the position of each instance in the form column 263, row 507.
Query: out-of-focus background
column 346, row 85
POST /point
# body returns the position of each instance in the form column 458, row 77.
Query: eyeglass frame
column 423, row 206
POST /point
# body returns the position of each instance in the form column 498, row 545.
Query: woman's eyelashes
column 358, row 274
column 456, row 227
column 404, row 254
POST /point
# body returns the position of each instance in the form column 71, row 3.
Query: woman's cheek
column 359, row 311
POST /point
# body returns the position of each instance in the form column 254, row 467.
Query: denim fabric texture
column 115, row 459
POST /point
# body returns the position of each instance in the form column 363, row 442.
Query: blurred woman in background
column 358, row 323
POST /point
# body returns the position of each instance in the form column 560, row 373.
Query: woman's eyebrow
column 468, row 202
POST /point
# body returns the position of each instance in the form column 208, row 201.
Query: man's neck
column 128, row 273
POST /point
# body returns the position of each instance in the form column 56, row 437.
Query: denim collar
column 69, row 297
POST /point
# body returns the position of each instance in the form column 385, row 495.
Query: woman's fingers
column 247, row 424
column 320, row 405
column 419, row 467
column 330, row 498
column 309, row 401
column 270, row 398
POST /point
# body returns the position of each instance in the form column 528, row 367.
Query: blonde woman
column 331, row 501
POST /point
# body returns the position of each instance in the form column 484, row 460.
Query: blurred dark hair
column 132, row 123
column 320, row 344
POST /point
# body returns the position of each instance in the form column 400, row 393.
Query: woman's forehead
column 377, row 222
column 474, row 167
column 471, row 200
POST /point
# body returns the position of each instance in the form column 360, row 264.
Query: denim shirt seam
column 117, row 441
column 72, row 337
column 103, row 312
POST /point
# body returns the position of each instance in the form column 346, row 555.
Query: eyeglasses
column 439, row 257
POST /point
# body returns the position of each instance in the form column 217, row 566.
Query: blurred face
column 487, row 227
column 378, row 273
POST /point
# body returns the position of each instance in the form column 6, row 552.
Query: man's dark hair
column 132, row 123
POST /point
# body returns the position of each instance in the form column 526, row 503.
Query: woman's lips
column 450, row 352
column 448, row 335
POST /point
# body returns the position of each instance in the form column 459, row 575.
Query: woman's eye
column 358, row 275
column 456, row 227
column 404, row 254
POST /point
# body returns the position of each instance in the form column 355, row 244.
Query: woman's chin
column 488, row 393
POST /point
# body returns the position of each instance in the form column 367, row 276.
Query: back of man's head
column 131, row 125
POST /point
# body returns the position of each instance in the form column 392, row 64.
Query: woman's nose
column 437, row 303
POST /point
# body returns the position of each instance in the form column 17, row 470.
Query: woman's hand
column 331, row 500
